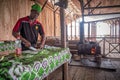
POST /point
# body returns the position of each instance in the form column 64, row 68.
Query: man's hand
column 41, row 46
column 43, row 38
column 27, row 44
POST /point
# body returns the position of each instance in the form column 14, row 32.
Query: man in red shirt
column 28, row 28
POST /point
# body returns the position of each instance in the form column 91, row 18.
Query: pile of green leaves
column 37, row 57
column 4, row 68
column 26, row 59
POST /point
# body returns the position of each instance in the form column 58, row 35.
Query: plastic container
column 18, row 46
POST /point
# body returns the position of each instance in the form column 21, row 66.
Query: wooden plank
column 56, row 75
column 114, row 75
column 82, row 73
column 115, row 63
column 73, row 78
column 99, row 74
column 89, row 74
column 76, row 74
column 109, row 76
column 79, row 73
column 72, row 71
column 104, row 65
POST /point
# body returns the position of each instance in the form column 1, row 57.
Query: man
column 28, row 28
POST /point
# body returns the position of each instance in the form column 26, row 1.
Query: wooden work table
column 35, row 65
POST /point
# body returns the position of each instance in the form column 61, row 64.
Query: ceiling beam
column 87, row 3
column 102, row 20
column 114, row 6
column 76, row 2
column 95, row 7
column 101, row 14
column 44, row 4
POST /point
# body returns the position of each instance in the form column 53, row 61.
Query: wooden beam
column 87, row 3
column 76, row 2
column 114, row 6
column 95, row 7
column 101, row 20
column 44, row 4
column 69, row 13
column 101, row 14
column 56, row 9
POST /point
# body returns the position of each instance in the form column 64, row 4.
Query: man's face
column 34, row 14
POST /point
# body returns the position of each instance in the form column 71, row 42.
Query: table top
column 33, row 65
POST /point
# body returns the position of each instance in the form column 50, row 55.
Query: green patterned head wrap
column 36, row 7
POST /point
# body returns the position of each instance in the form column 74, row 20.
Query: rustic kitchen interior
column 82, row 41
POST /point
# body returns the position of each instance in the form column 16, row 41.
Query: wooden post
column 104, row 47
column 110, row 30
column 54, row 23
column 93, row 31
column 119, row 33
column 88, row 1
column 71, row 29
column 82, row 23
column 63, row 28
column 88, row 31
column 81, row 32
column 65, row 71
column 115, row 31
column 67, row 33
column 63, row 42
column 119, row 30
column 75, row 28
